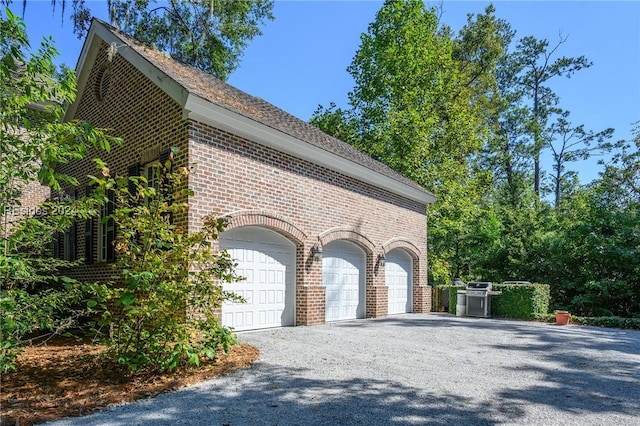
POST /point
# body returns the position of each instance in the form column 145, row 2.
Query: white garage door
column 343, row 275
column 398, row 270
column 267, row 261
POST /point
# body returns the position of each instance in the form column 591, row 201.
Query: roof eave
column 199, row 109
column 99, row 32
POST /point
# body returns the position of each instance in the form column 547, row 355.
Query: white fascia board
column 201, row 110
column 98, row 33
column 87, row 56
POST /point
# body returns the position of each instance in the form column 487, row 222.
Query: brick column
column 422, row 299
column 377, row 301
column 310, row 293
column 310, row 305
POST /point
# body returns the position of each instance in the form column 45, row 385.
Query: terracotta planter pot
column 563, row 317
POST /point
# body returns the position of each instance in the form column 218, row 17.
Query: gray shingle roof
column 224, row 95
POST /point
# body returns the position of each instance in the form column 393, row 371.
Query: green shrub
column 520, row 301
column 610, row 322
column 160, row 313
column 36, row 299
column 546, row 318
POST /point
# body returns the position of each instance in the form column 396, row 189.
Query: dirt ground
column 65, row 378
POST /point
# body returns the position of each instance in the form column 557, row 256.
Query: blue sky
column 300, row 61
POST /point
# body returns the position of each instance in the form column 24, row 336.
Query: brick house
column 31, row 196
column 289, row 190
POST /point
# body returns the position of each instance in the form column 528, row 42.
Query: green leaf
column 127, row 298
column 194, row 359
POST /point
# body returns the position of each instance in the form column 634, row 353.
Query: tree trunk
column 557, row 186
column 536, row 171
column 536, row 145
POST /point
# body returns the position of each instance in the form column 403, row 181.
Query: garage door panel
column 398, row 278
column 241, row 320
column 244, row 273
column 267, row 261
column 343, row 269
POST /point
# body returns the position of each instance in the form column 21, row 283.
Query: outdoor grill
column 479, row 299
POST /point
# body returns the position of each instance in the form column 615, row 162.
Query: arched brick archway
column 404, row 244
column 267, row 220
column 264, row 243
column 348, row 234
column 339, row 240
column 421, row 293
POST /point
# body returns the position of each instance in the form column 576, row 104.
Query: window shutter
column 133, row 170
column 60, row 245
column 111, row 233
column 57, row 248
column 166, row 189
column 164, row 157
column 73, row 233
column 58, row 238
column 88, row 232
column 166, row 166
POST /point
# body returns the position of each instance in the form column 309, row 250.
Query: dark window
column 107, row 230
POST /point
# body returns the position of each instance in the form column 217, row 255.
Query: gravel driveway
column 422, row 369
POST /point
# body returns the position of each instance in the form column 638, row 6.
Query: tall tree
column 337, row 122
column 624, row 171
column 570, row 143
column 34, row 297
column 478, row 48
column 419, row 104
column 507, row 150
column 208, row 34
column 535, row 60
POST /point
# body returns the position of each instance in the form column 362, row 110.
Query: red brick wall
column 235, row 175
column 32, row 195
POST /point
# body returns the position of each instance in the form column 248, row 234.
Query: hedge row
column 531, row 302
column 520, row 301
column 609, row 322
